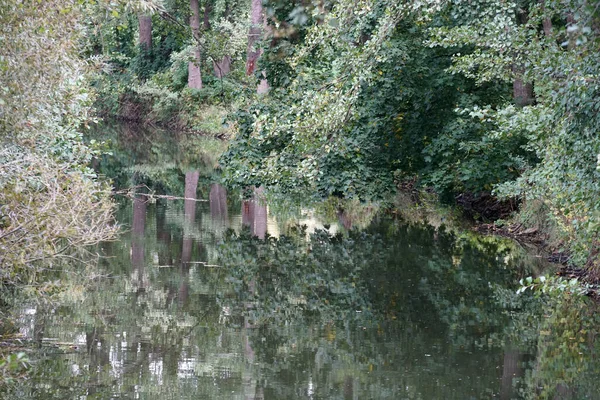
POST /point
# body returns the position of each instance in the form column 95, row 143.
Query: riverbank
column 487, row 215
column 182, row 115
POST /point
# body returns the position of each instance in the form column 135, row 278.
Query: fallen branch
column 132, row 193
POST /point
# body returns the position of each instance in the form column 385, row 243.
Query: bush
column 50, row 212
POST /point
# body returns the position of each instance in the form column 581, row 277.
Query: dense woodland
column 332, row 98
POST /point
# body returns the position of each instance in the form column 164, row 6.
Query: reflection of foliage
column 318, row 300
column 567, row 363
column 459, row 285
column 282, row 279
column 383, row 311
column 153, row 158
column 13, row 367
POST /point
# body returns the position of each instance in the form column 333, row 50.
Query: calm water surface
column 221, row 299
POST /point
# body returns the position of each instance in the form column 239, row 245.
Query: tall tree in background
column 257, row 21
column 145, row 25
column 522, row 90
column 194, row 74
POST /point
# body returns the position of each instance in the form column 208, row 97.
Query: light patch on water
column 186, row 368
column 156, row 370
column 80, row 339
column 116, row 364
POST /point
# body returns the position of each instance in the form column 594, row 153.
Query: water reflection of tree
column 344, row 287
column 395, row 312
column 152, row 157
column 567, row 362
column 254, row 213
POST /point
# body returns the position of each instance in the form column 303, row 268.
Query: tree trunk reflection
column 189, row 215
column 137, row 240
column 513, row 368
column 254, row 214
column 218, row 202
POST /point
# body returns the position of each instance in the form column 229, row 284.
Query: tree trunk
column 248, row 213
column 512, row 370
column 218, row 203
column 207, row 10
column 522, row 91
column 257, row 21
column 254, row 36
column 189, row 214
column 259, row 228
column 194, row 74
column 571, row 35
column 137, row 233
column 145, row 22
column 222, row 67
column 546, row 23
column 189, row 219
column 254, row 214
column 137, row 242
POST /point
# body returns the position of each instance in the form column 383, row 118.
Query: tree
column 145, row 27
column 561, row 60
column 51, row 206
column 258, row 22
column 333, row 126
column 194, row 73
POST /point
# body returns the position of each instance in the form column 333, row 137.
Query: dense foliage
column 51, row 206
column 149, row 83
column 334, row 99
column 553, row 46
column 478, row 97
column 467, row 97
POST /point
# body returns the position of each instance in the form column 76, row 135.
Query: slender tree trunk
column 253, row 36
column 572, row 37
column 254, row 214
column 189, row 219
column 145, row 22
column 137, row 242
column 522, row 91
column 227, row 12
column 189, row 212
column 222, row 67
column 137, row 233
column 512, row 370
column 546, row 23
column 194, row 74
column 218, row 203
column 259, row 228
column 207, row 10
column 257, row 20
column 345, row 219
column 248, row 213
